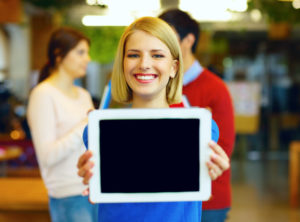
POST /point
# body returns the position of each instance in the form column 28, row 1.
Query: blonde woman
column 148, row 74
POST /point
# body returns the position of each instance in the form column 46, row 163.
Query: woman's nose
column 88, row 58
column 145, row 63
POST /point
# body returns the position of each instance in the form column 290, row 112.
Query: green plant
column 276, row 11
column 104, row 42
column 57, row 4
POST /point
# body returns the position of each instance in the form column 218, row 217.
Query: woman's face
column 148, row 66
column 76, row 61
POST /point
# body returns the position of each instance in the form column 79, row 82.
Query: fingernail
column 209, row 163
column 91, row 164
column 211, row 143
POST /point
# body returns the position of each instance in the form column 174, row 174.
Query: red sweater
column 208, row 90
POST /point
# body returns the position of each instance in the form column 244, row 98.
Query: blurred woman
column 57, row 114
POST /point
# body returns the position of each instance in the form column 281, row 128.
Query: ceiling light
column 255, row 15
column 91, row 2
column 238, row 5
column 107, row 20
column 296, row 4
column 213, row 10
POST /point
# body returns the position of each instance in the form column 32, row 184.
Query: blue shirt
column 152, row 212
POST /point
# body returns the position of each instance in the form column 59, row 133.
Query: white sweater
column 56, row 122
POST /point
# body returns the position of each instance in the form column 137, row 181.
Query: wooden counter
column 23, row 199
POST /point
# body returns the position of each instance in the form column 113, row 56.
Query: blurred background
column 253, row 45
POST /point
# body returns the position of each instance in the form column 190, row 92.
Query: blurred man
column 204, row 89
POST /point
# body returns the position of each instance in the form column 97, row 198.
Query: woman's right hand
column 84, row 166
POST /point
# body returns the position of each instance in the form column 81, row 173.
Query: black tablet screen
column 149, row 155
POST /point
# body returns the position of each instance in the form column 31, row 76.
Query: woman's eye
column 132, row 55
column 80, row 52
column 158, row 56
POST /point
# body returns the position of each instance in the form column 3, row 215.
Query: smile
column 145, row 76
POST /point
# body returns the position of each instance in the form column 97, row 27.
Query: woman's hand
column 84, row 166
column 219, row 161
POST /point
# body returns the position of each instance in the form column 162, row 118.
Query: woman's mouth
column 145, row 78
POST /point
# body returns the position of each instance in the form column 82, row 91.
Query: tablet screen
column 149, row 155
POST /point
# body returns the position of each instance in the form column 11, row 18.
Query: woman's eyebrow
column 152, row 50
column 133, row 50
column 158, row 50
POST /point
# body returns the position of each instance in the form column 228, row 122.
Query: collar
column 192, row 73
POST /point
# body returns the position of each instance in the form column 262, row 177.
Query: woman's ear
column 174, row 68
column 57, row 60
column 57, row 56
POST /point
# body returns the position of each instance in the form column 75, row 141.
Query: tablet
column 149, row 155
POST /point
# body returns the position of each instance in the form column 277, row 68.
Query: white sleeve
column 41, row 119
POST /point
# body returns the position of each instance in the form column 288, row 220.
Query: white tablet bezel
column 177, row 113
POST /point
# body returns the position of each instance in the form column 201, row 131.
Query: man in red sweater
column 205, row 89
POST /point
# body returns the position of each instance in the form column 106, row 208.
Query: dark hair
column 61, row 42
column 183, row 24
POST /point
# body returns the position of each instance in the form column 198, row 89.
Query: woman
column 57, row 113
column 148, row 74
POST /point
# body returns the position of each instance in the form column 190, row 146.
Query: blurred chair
column 294, row 169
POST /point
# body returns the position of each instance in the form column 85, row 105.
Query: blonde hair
column 158, row 28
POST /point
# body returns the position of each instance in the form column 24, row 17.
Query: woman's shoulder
column 41, row 94
column 83, row 91
column 42, row 89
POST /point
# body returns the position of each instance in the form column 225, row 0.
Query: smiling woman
column 155, row 66
column 148, row 73
column 148, row 70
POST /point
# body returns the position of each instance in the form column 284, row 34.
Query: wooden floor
column 260, row 192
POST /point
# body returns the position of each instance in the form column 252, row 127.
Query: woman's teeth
column 147, row 77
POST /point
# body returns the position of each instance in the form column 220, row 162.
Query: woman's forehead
column 143, row 40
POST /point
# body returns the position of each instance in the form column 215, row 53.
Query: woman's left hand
column 84, row 166
column 219, row 161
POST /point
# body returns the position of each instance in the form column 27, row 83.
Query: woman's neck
column 139, row 102
column 64, row 83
